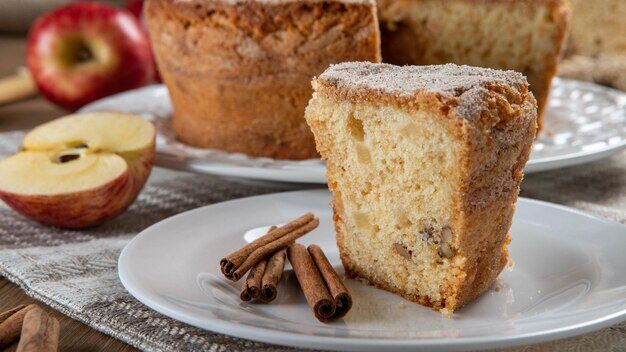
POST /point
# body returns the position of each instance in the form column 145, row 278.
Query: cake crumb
column 446, row 312
column 497, row 286
column 511, row 264
column 401, row 305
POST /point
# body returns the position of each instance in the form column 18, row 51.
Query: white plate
column 584, row 122
column 568, row 279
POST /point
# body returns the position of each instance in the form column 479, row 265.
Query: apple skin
column 134, row 6
column 86, row 51
column 90, row 207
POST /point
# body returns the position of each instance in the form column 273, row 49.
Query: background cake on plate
column 424, row 164
column 596, row 49
column 525, row 36
column 239, row 72
column 598, row 27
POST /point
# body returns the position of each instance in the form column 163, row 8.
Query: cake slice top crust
column 464, row 88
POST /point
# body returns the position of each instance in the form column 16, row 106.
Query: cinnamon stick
column 10, row 328
column 271, row 276
column 234, row 260
column 273, row 246
column 311, row 282
column 40, row 332
column 17, row 87
column 252, row 288
column 5, row 315
column 51, row 342
column 339, row 292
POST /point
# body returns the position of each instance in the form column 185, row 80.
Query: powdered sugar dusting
column 466, row 83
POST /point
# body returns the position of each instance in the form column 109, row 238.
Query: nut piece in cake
column 524, row 36
column 424, row 164
column 239, row 72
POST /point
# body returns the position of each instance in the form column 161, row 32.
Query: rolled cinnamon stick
column 17, row 87
column 252, row 287
column 5, row 315
column 339, row 292
column 231, row 262
column 264, row 251
column 10, row 328
column 40, row 332
column 311, row 282
column 271, row 276
column 51, row 342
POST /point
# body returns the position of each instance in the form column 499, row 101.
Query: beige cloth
column 75, row 272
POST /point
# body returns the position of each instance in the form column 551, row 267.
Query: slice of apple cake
column 424, row 163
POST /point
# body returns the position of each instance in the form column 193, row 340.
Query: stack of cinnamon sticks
column 36, row 330
column 265, row 259
column 236, row 264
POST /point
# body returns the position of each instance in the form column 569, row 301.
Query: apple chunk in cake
column 424, row 163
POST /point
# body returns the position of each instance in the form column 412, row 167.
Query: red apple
column 135, row 6
column 85, row 51
column 79, row 170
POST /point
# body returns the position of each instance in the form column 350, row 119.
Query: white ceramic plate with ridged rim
column 567, row 280
column 583, row 122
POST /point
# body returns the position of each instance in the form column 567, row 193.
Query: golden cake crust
column 494, row 116
column 239, row 72
column 416, row 32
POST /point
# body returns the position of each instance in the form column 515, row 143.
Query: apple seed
column 68, row 157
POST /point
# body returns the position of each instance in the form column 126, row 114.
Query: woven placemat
column 75, row 272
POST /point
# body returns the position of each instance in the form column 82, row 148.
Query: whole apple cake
column 424, row 164
column 525, row 36
column 239, row 72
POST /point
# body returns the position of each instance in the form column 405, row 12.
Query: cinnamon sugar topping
column 466, row 83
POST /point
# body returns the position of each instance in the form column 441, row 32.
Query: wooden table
column 75, row 336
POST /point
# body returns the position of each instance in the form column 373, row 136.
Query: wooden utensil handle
column 17, row 87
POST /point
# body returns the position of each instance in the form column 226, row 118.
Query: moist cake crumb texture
column 424, row 164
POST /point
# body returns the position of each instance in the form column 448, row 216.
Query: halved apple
column 79, row 170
